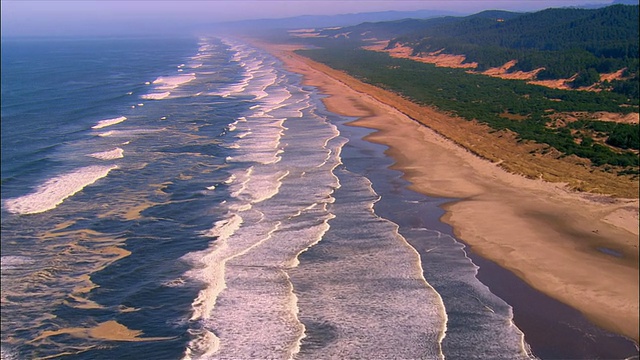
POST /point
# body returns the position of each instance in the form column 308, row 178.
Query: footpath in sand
column 578, row 248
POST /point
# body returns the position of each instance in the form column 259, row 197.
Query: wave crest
column 108, row 122
column 116, row 153
column 53, row 192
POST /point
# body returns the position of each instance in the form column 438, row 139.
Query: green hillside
column 565, row 42
column 385, row 30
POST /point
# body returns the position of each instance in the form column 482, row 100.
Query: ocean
column 189, row 198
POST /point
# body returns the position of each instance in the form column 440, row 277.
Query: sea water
column 191, row 199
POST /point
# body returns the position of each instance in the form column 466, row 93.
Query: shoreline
column 579, row 249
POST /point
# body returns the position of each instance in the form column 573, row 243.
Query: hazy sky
column 117, row 17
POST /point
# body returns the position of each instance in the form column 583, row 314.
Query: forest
column 565, row 42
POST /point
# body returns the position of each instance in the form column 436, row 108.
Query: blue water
column 190, row 198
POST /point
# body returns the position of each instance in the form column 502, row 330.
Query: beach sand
column 580, row 249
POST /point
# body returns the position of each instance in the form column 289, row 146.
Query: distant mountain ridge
column 320, row 21
column 352, row 19
column 552, row 29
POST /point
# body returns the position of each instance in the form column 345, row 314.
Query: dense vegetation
column 385, row 30
column 565, row 42
column 488, row 99
column 624, row 136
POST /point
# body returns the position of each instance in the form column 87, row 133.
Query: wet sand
column 577, row 248
column 110, row 330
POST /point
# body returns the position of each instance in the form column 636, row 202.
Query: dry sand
column 578, row 248
column 435, row 57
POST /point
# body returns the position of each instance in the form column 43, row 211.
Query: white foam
column 156, row 96
column 261, row 187
column 53, row 192
column 164, row 83
column 116, row 153
column 12, row 262
column 212, row 272
column 244, row 179
column 223, row 229
column 108, row 122
column 240, row 207
column 201, row 57
column 231, row 89
column 121, row 133
column 204, row 344
column 172, row 82
column 242, row 135
column 6, row 354
column 179, row 282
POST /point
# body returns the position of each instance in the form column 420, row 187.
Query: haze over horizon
column 118, row 18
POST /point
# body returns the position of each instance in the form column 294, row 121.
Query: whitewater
column 210, row 207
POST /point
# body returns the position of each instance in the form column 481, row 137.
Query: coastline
column 580, row 249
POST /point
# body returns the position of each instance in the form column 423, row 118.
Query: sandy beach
column 578, row 248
